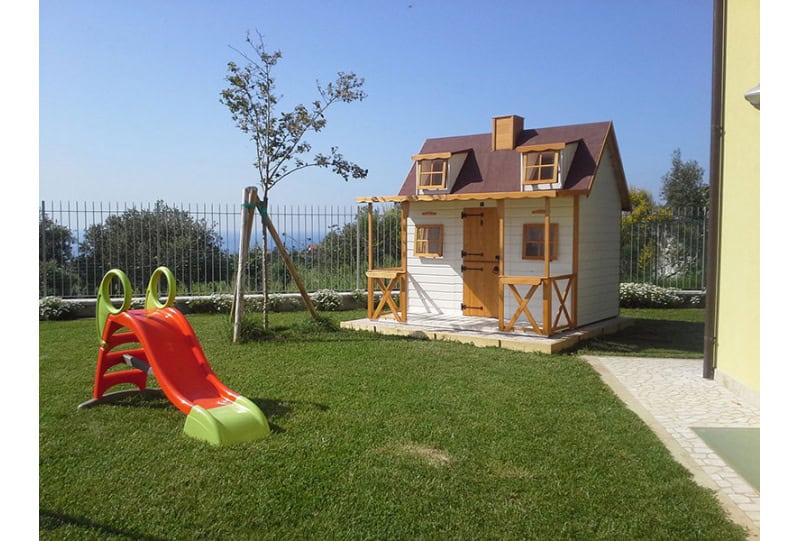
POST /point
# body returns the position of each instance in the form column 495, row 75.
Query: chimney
column 505, row 130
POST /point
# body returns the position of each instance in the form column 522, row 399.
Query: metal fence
column 80, row 241
column 667, row 248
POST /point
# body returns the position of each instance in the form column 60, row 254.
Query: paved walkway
column 671, row 396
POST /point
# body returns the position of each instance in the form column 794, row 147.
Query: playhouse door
column 480, row 258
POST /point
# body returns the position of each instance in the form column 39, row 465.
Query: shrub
column 251, row 329
column 216, row 303
column 648, row 296
column 55, row 308
column 327, row 300
column 360, row 298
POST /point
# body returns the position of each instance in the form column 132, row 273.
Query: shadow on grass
column 50, row 520
column 650, row 337
column 132, row 398
column 276, row 409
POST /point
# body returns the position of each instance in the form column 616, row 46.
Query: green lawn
column 373, row 438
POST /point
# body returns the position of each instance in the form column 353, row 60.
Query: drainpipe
column 715, row 189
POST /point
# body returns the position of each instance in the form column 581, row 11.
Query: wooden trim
column 481, row 196
column 576, row 211
column 539, row 167
column 404, row 207
column 386, row 280
column 539, row 148
column 370, row 263
column 549, row 324
column 432, row 156
column 547, row 292
column 501, row 264
column 554, row 246
column 521, row 280
column 404, row 235
column 370, row 266
column 426, row 253
column 547, row 247
column 433, row 174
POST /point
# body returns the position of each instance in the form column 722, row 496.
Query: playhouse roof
column 497, row 172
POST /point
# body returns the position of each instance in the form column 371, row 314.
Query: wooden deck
column 483, row 331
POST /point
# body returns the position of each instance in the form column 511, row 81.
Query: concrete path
column 671, row 396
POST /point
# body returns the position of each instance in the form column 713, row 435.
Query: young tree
column 280, row 137
column 683, row 186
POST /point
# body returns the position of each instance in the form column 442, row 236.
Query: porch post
column 576, row 210
column 370, row 284
column 546, row 292
column 501, row 265
column 404, row 258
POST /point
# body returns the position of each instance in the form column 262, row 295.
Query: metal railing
column 80, row 241
column 667, row 249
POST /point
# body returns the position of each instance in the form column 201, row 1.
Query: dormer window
column 543, row 165
column 540, row 167
column 438, row 171
column 432, row 174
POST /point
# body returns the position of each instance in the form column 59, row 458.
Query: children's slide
column 158, row 340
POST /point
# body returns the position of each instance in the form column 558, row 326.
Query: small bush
column 327, row 300
column 360, row 298
column 284, row 303
column 55, row 308
column 648, row 296
column 251, row 329
column 323, row 324
column 216, row 303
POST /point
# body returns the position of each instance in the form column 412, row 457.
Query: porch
column 484, row 331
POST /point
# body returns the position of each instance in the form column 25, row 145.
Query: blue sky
column 129, row 105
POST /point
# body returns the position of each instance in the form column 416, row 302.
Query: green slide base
column 237, row 422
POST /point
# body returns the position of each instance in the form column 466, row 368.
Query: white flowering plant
column 632, row 295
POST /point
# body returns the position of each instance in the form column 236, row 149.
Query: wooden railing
column 558, row 311
column 387, row 280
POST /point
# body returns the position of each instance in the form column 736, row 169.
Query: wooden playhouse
column 521, row 225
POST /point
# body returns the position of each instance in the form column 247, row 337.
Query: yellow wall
column 738, row 339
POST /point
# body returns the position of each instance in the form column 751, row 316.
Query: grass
column 674, row 333
column 373, row 438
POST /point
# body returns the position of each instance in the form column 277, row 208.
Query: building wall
column 434, row 284
column 525, row 211
column 738, row 317
column 599, row 248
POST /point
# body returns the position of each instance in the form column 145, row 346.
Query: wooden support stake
column 292, row 269
column 249, row 198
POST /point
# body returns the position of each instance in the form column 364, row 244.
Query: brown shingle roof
column 487, row 171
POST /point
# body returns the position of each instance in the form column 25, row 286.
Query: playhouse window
column 429, row 241
column 540, row 167
column 432, row 174
column 533, row 241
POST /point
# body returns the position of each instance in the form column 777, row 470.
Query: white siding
column 435, row 284
column 518, row 213
column 599, row 246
